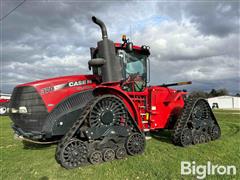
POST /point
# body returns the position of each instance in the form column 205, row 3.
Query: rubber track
column 184, row 118
column 68, row 136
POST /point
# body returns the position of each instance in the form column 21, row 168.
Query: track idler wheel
column 215, row 132
column 95, row 157
column 135, row 144
column 74, row 154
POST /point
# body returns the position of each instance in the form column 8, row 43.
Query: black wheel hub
column 107, row 117
column 107, row 111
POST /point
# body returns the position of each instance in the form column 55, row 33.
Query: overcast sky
column 197, row 41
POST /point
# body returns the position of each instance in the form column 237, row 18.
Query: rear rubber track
column 197, row 124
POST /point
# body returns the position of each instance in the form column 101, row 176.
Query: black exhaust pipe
column 102, row 26
column 111, row 69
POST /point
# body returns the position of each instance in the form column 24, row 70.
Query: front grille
column 32, row 121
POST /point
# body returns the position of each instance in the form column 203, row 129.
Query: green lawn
column 161, row 159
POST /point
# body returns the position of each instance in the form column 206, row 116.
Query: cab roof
column 139, row 49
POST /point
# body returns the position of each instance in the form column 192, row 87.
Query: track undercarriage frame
column 106, row 131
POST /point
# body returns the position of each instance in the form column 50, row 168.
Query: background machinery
column 103, row 116
column 4, row 102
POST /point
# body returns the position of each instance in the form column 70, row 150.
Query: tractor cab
column 133, row 64
column 134, row 68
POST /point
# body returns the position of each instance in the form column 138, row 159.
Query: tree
column 212, row 93
column 222, row 92
column 197, row 94
column 218, row 92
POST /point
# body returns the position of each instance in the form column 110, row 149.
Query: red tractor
column 104, row 116
column 4, row 102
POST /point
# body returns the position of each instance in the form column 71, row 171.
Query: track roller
column 121, row 153
column 95, row 157
column 108, row 154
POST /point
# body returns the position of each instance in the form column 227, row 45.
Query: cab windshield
column 133, row 64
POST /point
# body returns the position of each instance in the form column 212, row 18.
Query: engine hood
column 54, row 90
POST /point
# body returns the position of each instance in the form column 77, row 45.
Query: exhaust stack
column 111, row 68
column 102, row 26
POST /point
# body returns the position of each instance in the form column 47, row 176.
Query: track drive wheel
column 109, row 110
column 73, row 154
column 135, row 144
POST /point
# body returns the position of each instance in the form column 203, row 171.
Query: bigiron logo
column 201, row 171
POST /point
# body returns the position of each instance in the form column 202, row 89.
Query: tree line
column 212, row 93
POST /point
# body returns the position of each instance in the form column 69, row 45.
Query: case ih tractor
column 104, row 116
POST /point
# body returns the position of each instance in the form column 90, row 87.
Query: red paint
column 4, row 100
column 159, row 102
column 51, row 99
column 137, row 49
column 119, row 45
column 167, row 102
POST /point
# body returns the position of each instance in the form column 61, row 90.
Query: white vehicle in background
column 4, row 101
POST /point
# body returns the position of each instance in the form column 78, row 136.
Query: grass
column 161, row 159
